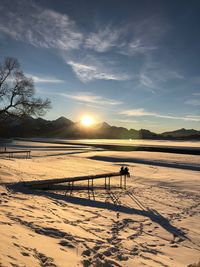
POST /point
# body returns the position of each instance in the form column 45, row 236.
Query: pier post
column 92, row 184
column 71, row 187
column 67, row 189
column 68, row 186
column 124, row 181
column 105, row 182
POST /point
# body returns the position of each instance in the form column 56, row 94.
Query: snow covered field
column 155, row 222
column 142, row 142
column 126, row 142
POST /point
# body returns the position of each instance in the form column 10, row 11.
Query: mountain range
column 65, row 128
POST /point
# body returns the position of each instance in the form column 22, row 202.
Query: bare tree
column 17, row 92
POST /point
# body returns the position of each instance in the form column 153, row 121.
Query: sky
column 130, row 63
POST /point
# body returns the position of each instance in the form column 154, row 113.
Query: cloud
column 39, row 27
column 29, row 22
column 136, row 112
column 103, row 40
column 196, row 94
column 141, row 112
column 86, row 72
column 89, row 98
column 38, row 79
column 144, row 36
column 127, row 121
column 193, row 102
column 154, row 75
column 193, row 117
column 137, row 46
column 147, row 81
column 137, row 37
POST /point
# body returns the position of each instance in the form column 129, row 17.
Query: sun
column 87, row 120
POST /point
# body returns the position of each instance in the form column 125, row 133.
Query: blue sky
column 130, row 63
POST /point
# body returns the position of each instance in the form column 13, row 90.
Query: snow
column 154, row 222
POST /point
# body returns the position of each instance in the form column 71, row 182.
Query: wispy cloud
column 141, row 112
column 147, row 81
column 137, row 46
column 139, row 37
column 50, row 29
column 136, row 112
column 194, row 117
column 43, row 28
column 103, row 40
column 89, row 98
column 154, row 75
column 126, row 121
column 87, row 73
column 193, row 102
column 39, row 79
column 145, row 36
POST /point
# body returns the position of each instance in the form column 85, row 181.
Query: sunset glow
column 87, row 120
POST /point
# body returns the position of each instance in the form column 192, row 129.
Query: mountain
column 146, row 134
column 181, row 133
column 64, row 128
column 62, row 121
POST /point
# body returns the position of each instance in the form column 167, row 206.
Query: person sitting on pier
column 126, row 171
column 122, row 170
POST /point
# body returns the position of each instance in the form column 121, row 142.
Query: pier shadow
column 152, row 214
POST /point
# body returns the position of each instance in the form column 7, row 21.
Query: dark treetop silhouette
column 17, row 92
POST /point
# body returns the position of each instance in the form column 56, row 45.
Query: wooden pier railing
column 11, row 153
column 47, row 184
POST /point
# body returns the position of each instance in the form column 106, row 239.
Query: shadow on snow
column 149, row 213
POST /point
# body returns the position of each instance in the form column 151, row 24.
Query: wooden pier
column 11, row 153
column 47, row 184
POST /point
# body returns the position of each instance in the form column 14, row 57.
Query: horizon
column 133, row 64
column 112, row 125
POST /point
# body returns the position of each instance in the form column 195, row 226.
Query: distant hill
column 182, row 133
column 62, row 121
column 65, row 128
